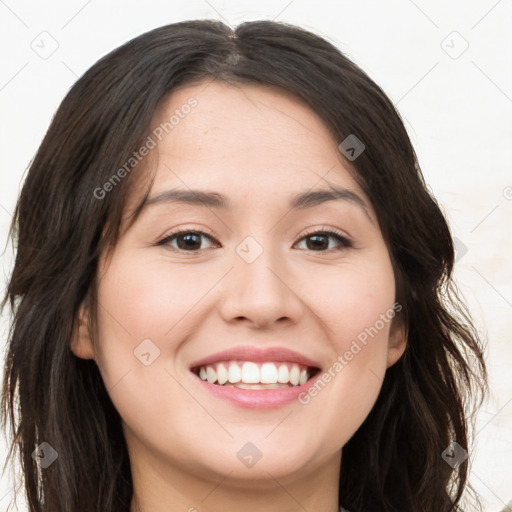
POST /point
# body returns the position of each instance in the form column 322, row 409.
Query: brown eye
column 186, row 240
column 319, row 241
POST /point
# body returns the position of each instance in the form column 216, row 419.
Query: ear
column 397, row 341
column 81, row 343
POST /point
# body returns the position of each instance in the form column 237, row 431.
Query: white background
column 457, row 104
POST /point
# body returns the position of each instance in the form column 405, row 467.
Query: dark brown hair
column 394, row 461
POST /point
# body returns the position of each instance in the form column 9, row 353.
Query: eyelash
column 340, row 237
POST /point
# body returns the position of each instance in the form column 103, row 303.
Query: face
column 304, row 285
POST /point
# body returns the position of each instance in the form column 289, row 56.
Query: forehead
column 237, row 122
column 249, row 141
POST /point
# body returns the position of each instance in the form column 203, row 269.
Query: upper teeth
column 249, row 372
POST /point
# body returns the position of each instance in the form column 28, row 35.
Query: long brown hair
column 394, row 461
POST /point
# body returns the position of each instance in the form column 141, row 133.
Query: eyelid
column 328, row 231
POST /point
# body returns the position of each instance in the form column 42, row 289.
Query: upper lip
column 250, row 353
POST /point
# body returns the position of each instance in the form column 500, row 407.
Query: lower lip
column 258, row 398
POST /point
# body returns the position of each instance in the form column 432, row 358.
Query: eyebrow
column 216, row 200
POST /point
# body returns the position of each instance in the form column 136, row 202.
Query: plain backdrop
column 447, row 67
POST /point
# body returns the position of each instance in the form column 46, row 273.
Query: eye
column 186, row 240
column 319, row 240
column 189, row 240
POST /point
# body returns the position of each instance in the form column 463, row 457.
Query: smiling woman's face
column 257, row 279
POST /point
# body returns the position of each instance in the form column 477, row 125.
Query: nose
column 262, row 292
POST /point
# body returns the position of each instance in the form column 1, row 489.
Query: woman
column 233, row 290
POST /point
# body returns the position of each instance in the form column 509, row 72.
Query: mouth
column 256, row 378
column 255, row 374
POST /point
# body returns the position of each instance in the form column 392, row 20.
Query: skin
column 258, row 146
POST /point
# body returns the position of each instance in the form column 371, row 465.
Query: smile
column 253, row 375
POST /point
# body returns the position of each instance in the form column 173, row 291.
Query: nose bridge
column 260, row 291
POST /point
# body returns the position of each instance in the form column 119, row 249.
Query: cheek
column 148, row 298
column 139, row 313
column 348, row 388
column 139, row 317
column 357, row 304
column 148, row 309
column 356, row 301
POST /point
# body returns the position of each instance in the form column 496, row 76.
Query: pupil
column 320, row 245
column 191, row 241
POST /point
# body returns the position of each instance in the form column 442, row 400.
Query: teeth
column 250, row 375
column 259, row 386
column 294, row 375
column 268, row 373
column 283, row 375
column 235, row 373
column 211, row 375
column 222, row 374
